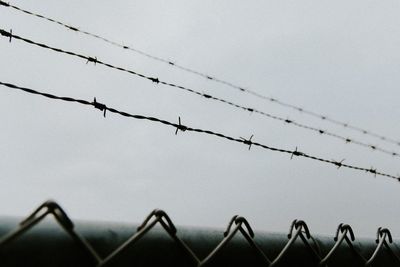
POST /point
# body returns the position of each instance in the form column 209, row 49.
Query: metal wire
column 227, row 83
column 229, row 234
column 287, row 121
column 51, row 207
column 237, row 224
column 343, row 231
column 383, row 237
column 158, row 216
column 297, row 229
column 179, row 127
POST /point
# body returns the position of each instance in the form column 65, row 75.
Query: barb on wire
column 92, row 59
column 229, row 234
column 207, row 96
column 339, row 163
column 180, row 127
column 247, row 141
column 373, row 171
column 296, row 153
column 156, row 216
column 298, row 228
column 208, row 77
column 51, row 207
column 100, row 106
column 197, row 130
column 383, row 237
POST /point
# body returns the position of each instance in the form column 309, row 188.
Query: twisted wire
column 287, row 121
column 183, row 128
column 218, row 80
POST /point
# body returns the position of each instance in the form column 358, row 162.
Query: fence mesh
column 157, row 241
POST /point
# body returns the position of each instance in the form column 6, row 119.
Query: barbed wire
column 287, row 121
column 213, row 78
column 183, row 128
column 299, row 231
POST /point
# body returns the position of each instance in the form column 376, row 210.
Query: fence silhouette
column 157, row 241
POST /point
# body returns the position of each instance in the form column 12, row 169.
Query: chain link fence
column 37, row 241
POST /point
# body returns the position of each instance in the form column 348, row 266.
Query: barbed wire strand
column 209, row 77
column 183, row 128
column 287, row 121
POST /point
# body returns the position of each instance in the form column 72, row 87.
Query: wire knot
column 383, row 233
column 180, row 127
column 288, row 121
column 344, row 229
column 348, row 140
column 92, row 59
column 159, row 216
column 238, row 220
column 373, row 147
column 247, row 141
column 154, row 80
column 321, row 131
column 100, row 106
column 299, row 224
column 296, row 153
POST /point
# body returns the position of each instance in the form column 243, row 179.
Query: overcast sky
column 339, row 58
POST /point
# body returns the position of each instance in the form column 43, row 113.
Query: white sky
column 338, row 58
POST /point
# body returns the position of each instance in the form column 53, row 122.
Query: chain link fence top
column 48, row 237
